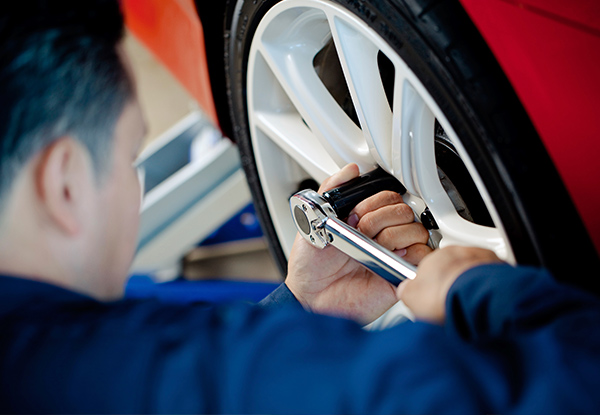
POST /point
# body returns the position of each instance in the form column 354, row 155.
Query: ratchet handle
column 369, row 253
column 344, row 198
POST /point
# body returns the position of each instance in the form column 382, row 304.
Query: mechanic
column 488, row 338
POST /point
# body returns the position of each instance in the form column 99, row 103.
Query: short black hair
column 60, row 74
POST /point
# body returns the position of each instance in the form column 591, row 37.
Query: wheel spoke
column 293, row 137
column 413, row 153
column 358, row 58
column 419, row 173
column 286, row 127
column 458, row 231
column 291, row 63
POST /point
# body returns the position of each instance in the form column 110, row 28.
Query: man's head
column 60, row 75
column 70, row 128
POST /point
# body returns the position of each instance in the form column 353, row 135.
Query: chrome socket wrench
column 318, row 223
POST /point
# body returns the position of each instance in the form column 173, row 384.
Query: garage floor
column 165, row 102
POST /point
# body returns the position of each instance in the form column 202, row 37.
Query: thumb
column 401, row 287
column 348, row 172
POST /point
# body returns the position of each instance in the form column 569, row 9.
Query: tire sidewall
column 247, row 15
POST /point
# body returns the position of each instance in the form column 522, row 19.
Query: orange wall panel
column 172, row 31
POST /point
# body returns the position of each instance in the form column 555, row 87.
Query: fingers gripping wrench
column 318, row 222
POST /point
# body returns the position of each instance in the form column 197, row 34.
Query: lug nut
column 428, row 220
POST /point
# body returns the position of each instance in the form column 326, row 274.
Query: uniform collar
column 16, row 292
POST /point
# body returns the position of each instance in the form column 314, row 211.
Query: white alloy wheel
column 299, row 130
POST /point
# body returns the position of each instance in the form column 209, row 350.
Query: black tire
column 441, row 45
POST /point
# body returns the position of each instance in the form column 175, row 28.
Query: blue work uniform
column 515, row 341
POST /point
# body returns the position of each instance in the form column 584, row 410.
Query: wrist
column 297, row 292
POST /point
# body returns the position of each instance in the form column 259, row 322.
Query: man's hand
column 426, row 294
column 329, row 282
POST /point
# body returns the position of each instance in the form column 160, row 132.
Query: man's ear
column 61, row 178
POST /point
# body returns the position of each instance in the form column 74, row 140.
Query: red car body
column 548, row 49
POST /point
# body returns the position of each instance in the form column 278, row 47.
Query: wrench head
column 310, row 212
